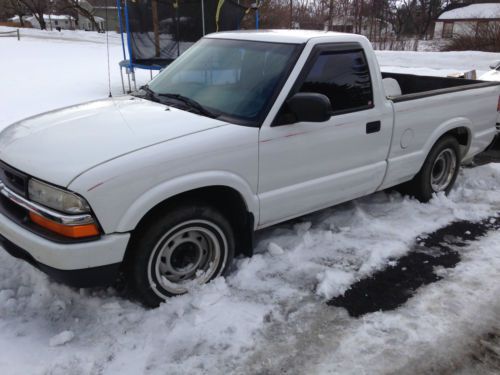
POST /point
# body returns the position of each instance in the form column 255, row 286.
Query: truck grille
column 14, row 179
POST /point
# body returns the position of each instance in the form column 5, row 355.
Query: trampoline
column 158, row 31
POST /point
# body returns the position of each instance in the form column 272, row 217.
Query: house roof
column 58, row 17
column 473, row 11
column 53, row 17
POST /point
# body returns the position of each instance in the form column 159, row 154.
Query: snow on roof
column 58, row 17
column 46, row 17
column 473, row 11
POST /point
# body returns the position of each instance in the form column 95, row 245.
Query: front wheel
column 440, row 170
column 188, row 245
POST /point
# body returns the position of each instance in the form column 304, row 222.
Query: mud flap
column 491, row 154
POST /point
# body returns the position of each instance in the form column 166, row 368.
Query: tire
column 439, row 172
column 188, row 244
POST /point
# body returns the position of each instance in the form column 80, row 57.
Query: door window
column 344, row 78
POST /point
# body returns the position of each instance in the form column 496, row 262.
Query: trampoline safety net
column 160, row 30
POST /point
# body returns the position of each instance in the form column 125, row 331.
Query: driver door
column 306, row 166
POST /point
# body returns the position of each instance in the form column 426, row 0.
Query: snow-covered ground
column 270, row 315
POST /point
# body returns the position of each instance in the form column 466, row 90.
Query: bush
column 481, row 39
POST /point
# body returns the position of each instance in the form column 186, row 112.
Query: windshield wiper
column 191, row 103
column 150, row 94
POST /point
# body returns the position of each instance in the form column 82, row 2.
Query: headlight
column 56, row 198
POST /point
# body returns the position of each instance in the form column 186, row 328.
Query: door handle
column 372, row 127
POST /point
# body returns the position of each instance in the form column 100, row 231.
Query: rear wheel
column 439, row 172
column 188, row 245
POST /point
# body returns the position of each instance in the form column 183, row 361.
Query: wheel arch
column 233, row 200
column 460, row 128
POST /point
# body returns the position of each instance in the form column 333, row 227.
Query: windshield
column 232, row 78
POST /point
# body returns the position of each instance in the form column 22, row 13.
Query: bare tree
column 80, row 8
column 38, row 8
column 481, row 37
column 330, row 14
column 273, row 14
column 11, row 8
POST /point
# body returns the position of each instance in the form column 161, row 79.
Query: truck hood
column 59, row 145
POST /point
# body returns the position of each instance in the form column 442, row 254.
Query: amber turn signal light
column 72, row 231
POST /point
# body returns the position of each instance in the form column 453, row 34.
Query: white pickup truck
column 244, row 130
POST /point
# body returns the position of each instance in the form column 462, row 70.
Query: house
column 370, row 27
column 469, row 19
column 84, row 23
column 105, row 10
column 52, row 21
column 62, row 22
column 110, row 13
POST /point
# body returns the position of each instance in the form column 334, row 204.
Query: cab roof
column 285, row 36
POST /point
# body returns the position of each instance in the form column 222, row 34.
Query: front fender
column 168, row 189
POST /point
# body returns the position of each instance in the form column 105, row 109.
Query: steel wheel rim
column 192, row 252
column 443, row 170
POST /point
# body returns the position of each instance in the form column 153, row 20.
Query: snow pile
column 62, row 338
column 275, row 249
column 333, row 283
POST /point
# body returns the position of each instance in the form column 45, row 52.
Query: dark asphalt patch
column 391, row 287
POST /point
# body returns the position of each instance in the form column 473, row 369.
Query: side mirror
column 310, row 107
column 495, row 65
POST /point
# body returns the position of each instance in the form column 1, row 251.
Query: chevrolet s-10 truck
column 244, row 130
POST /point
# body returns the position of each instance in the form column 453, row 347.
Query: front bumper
column 84, row 278
column 79, row 264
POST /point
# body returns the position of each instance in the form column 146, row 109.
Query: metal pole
column 257, row 16
column 18, row 35
column 130, row 65
column 203, row 15
column 123, row 84
column 156, row 27
column 238, row 20
column 176, row 4
column 118, row 5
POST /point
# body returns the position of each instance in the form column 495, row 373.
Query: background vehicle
column 244, row 130
column 494, row 74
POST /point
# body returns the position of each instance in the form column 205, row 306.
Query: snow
column 269, row 315
column 62, row 338
column 492, row 75
column 436, row 63
column 333, row 282
column 275, row 249
column 46, row 17
column 472, row 11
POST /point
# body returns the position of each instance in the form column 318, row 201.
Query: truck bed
column 417, row 86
